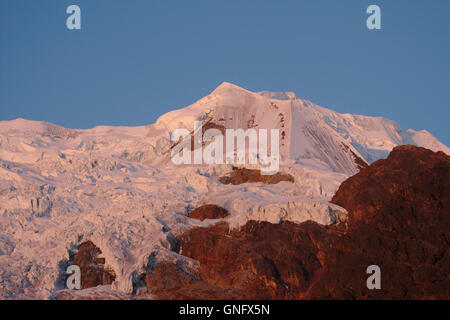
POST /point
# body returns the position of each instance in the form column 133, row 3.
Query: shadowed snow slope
column 116, row 186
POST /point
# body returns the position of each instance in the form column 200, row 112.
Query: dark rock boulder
column 209, row 211
column 92, row 267
column 243, row 175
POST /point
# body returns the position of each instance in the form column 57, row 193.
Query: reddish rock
column 260, row 261
column 243, row 175
column 206, row 126
column 399, row 219
column 209, row 211
column 93, row 270
column 360, row 163
column 170, row 282
column 410, row 175
column 212, row 125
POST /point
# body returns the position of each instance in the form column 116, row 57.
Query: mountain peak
column 228, row 88
column 227, row 84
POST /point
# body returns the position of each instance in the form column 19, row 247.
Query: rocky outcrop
column 209, row 211
column 170, row 281
column 359, row 162
column 259, row 261
column 399, row 219
column 243, row 175
column 92, row 267
column 209, row 124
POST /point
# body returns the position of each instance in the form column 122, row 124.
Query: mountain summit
column 309, row 133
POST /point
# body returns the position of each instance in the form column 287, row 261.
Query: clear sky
column 134, row 60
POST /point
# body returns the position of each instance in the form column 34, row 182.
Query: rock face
column 170, row 281
column 93, row 269
column 259, row 261
column 191, row 139
column 243, row 175
column 360, row 163
column 209, row 211
column 399, row 219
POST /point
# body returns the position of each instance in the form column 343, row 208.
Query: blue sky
column 134, row 60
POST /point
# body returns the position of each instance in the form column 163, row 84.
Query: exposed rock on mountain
column 259, row 261
column 243, row 175
column 190, row 140
column 170, row 281
column 92, row 267
column 208, row 211
column 399, row 219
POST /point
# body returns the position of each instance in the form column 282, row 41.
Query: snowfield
column 117, row 186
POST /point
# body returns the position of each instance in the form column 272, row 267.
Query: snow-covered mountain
column 308, row 132
column 117, row 187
